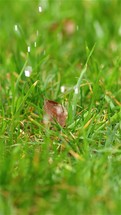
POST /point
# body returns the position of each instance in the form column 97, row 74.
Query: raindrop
column 16, row 27
column 76, row 90
column 40, row 9
column 29, row 49
column 62, row 89
column 28, row 71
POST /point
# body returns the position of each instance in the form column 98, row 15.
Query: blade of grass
column 76, row 97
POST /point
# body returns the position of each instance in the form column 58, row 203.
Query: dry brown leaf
column 54, row 112
column 67, row 27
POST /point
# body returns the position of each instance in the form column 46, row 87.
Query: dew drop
column 29, row 49
column 16, row 28
column 76, row 90
column 62, row 89
column 28, row 71
column 40, row 9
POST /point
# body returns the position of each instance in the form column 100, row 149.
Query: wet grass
column 75, row 169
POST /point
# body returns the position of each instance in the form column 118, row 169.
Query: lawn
column 68, row 52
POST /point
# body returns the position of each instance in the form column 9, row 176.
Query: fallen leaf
column 69, row 27
column 54, row 112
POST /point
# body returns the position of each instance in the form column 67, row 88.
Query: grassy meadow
column 68, row 52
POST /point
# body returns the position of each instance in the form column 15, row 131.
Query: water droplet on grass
column 62, row 89
column 76, row 90
column 16, row 28
column 40, row 9
column 28, row 71
column 29, row 48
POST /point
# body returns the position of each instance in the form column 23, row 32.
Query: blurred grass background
column 76, row 169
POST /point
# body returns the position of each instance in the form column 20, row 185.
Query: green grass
column 77, row 169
